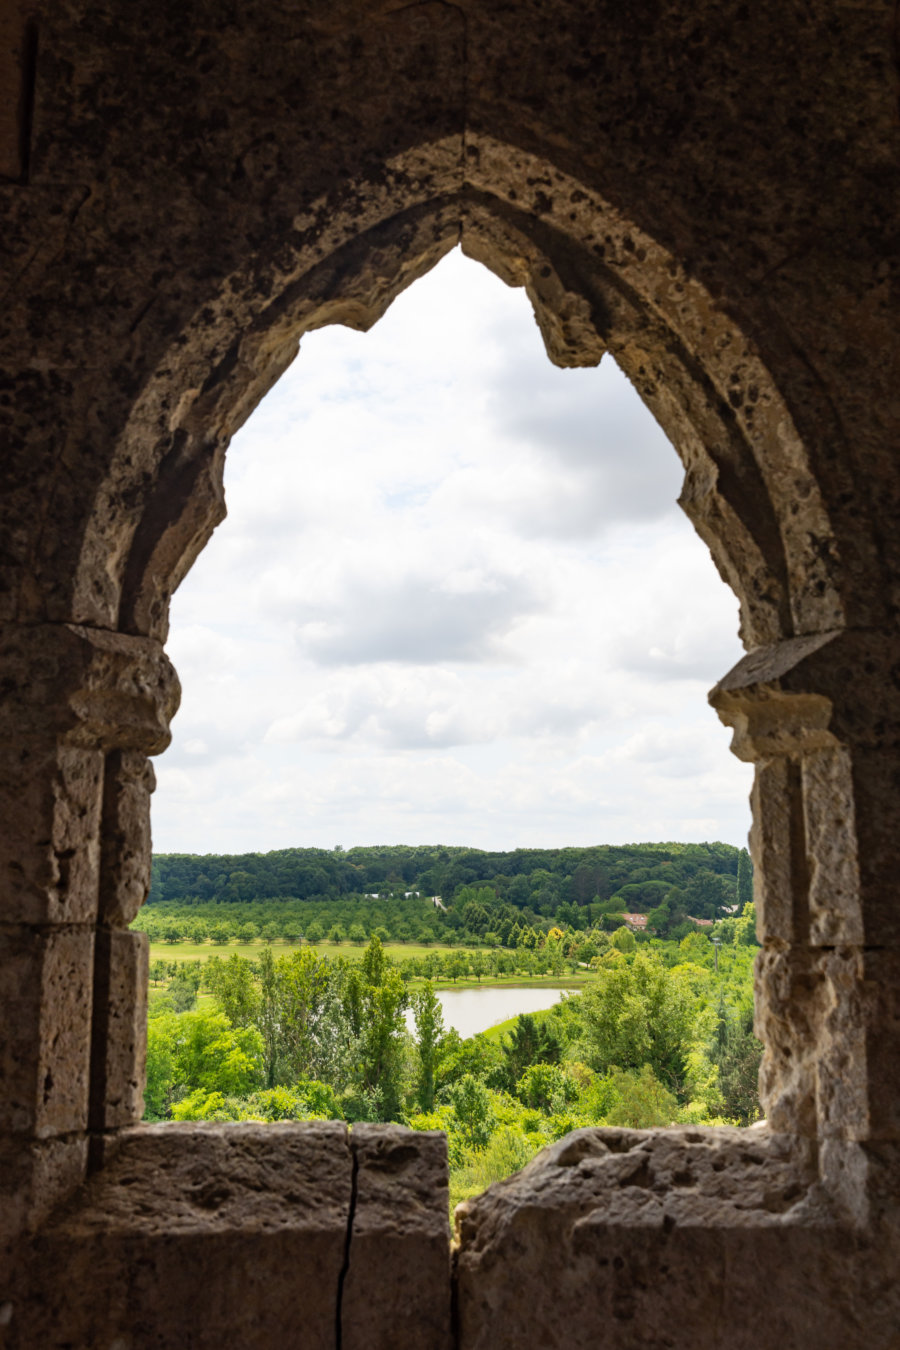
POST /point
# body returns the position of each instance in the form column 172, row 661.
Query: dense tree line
column 481, row 893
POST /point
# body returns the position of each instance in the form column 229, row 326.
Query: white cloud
column 453, row 602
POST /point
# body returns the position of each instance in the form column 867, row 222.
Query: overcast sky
column 453, row 602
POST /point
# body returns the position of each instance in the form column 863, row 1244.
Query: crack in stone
column 345, row 1266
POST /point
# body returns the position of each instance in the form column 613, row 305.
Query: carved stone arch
column 597, row 283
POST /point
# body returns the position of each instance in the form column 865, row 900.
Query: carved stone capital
column 806, row 693
column 91, row 688
column 80, row 711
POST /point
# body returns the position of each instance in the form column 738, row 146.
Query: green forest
column 329, row 1007
column 483, row 896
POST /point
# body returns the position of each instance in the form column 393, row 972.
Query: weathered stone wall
column 708, row 192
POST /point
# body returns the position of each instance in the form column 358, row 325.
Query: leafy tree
column 745, row 927
column 543, row 1086
column 200, row 1104
column 429, row 1023
column 374, row 999
column 707, row 894
column 637, row 1014
column 198, row 1050
column 457, row 965
column 160, row 1066
column 744, row 880
column 313, row 1032
column 232, row 985
column 507, row 1150
column 476, row 1055
column 210, row 1053
column 315, row 932
column 532, row 1041
column 737, row 1054
column 269, row 1014
column 473, row 1111
column 696, row 947
column 642, row 1102
column 623, row 939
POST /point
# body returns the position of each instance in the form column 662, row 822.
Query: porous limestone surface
column 194, row 1236
column 693, row 1238
column 396, row 1295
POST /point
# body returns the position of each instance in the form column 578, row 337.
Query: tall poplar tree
column 744, row 880
column 429, row 1021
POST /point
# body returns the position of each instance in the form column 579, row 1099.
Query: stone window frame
column 812, row 705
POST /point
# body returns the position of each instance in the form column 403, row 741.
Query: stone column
column 81, row 708
column 820, row 718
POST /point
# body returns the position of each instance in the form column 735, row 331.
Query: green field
column 501, row 1029
column 397, row 951
column 193, row 951
column 567, row 981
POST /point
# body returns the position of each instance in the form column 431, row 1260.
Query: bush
column 508, row 1151
column 643, row 1103
column 473, row 1111
column 545, row 1086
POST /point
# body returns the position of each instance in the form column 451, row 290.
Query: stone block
column 877, row 842
column 119, row 1029
column 830, row 1023
column 879, row 1004
column 125, row 847
column 46, row 979
column 835, row 913
column 771, row 847
column 788, row 1022
column 396, row 1292
column 50, row 797
column 630, row 1238
column 35, row 1178
column 835, row 1043
column 874, row 1167
column 194, row 1237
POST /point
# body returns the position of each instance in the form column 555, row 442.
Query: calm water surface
column 472, row 1010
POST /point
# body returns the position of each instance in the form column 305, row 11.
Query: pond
column 475, row 1009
